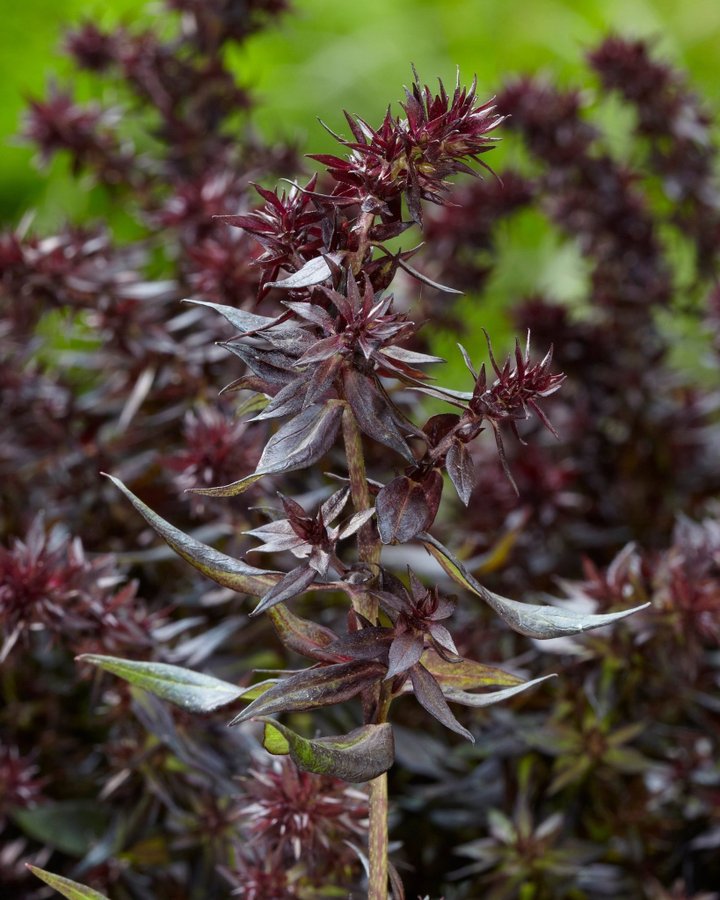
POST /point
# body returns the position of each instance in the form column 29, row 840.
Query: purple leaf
column 241, row 319
column 442, row 636
column 461, row 470
column 334, row 505
column 271, row 365
column 315, row 687
column 303, row 440
column 295, row 582
column 321, row 350
column 312, row 312
column 430, row 696
column 366, row 643
column 373, row 413
column 288, row 401
column 424, row 278
column 356, row 522
column 402, row 510
column 410, row 356
column 405, row 650
column 315, row 271
column 432, row 485
column 438, row 427
column 298, row 443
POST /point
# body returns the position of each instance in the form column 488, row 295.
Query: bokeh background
column 325, row 56
column 332, row 55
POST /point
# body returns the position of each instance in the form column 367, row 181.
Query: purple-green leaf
column 225, row 570
column 466, row 674
column 315, row 687
column 358, row 756
column 191, row 690
column 73, row 890
column 457, row 695
column 539, row 622
column 301, row 635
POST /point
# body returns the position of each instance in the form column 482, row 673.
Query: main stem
column 369, row 552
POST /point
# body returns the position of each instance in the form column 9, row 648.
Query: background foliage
column 611, row 791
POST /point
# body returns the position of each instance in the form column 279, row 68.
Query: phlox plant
column 328, row 369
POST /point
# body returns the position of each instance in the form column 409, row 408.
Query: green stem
column 369, row 549
column 378, row 839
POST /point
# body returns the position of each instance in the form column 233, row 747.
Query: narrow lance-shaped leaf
column 315, row 687
column 300, row 442
column 466, row 674
column 315, row 271
column 358, row 756
column 73, row 890
column 461, row 470
column 301, row 635
column 429, row 695
column 292, row 585
column 456, row 695
column 241, row 318
column 193, row 691
column 539, row 622
column 223, row 569
column 373, row 414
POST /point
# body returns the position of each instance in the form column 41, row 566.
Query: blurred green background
column 328, row 55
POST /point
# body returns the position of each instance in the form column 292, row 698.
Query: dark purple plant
column 612, row 791
column 329, row 365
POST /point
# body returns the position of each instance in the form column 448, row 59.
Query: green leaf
column 71, row 889
column 315, row 687
column 455, row 695
column 274, row 741
column 361, row 755
column 466, row 674
column 223, row 569
column 191, row 690
column 539, row 622
column 71, row 826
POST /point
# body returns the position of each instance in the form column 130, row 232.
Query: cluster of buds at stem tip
column 513, row 396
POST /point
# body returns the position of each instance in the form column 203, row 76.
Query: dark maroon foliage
column 602, row 492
